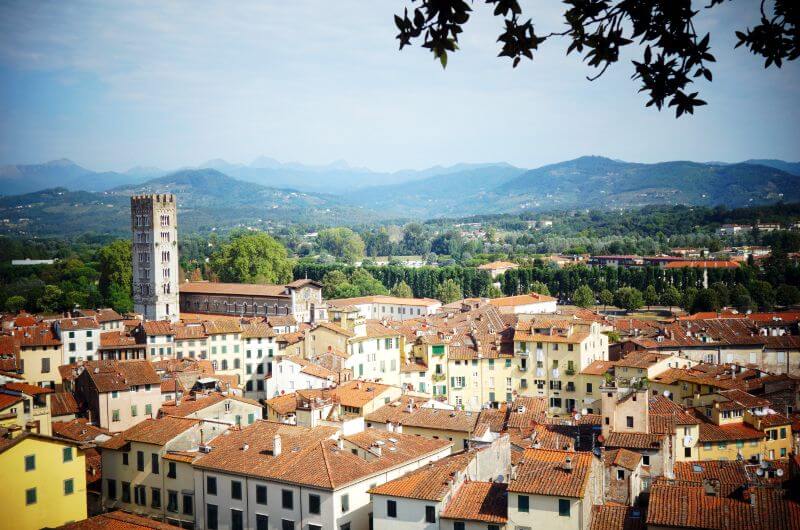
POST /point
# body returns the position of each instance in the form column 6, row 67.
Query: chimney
column 389, row 426
column 376, row 449
column 245, row 447
column 340, row 444
column 276, row 445
column 711, row 487
column 568, row 464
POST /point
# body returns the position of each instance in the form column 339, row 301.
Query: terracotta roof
column 739, row 399
column 192, row 332
column 257, row 330
column 357, row 393
column 241, row 289
column 498, row 265
column 429, row 482
column 182, row 456
column 158, row 327
column 703, row 264
column 424, row 417
column 71, row 324
column 311, row 456
column 664, row 407
column 598, row 367
column 543, row 472
column 109, row 376
column 617, row 517
column 118, row 339
column 118, row 520
column 680, row 506
column 63, row 403
column 337, row 329
column 39, row 335
column 155, row 432
column 521, row 299
column 622, row 458
column 79, row 430
column 27, row 389
column 711, row 432
column 191, row 404
column 383, row 299
column 284, row 404
column 773, row 420
column 8, row 400
column 303, row 282
column 8, row 345
column 634, row 440
column 479, row 501
column 107, row 315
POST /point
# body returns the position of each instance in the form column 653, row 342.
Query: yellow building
column 45, row 481
column 27, row 406
column 40, row 355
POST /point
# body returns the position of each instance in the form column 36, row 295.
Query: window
column 588, row 388
column 620, row 474
column 287, row 499
column 458, row 525
column 563, row 507
column 687, row 452
column 124, row 459
column 345, row 526
column 430, row 514
column 45, row 365
column 30, row 462
column 391, row 508
column 172, row 470
column 172, row 501
column 646, row 460
column 211, row 485
column 115, row 415
column 236, row 490
column 140, row 495
column 111, row 487
column 126, row 492
column 140, row 460
column 211, row 517
column 237, row 520
column 783, row 433
column 155, row 501
column 148, row 410
column 30, row 496
column 287, row 524
column 313, row 504
column 629, row 421
column 66, row 454
column 523, row 503
column 261, row 495
column 345, row 503
column 188, row 505
column 154, row 463
column 318, row 527
column 69, row 486
column 134, row 411
column 262, row 522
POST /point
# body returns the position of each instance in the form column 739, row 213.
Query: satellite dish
column 578, row 417
column 760, row 472
column 779, row 472
column 584, row 411
column 687, row 440
column 666, row 393
column 764, row 464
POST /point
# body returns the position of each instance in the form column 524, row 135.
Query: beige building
column 26, row 406
column 40, row 355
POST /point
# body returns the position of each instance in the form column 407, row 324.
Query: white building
column 375, row 354
column 390, row 307
column 271, row 476
column 154, row 222
column 290, row 374
column 81, row 338
column 530, row 304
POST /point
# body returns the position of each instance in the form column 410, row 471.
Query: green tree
column 687, row 300
column 540, row 288
column 583, row 297
column 606, row 298
column 786, row 295
column 366, row 284
column 491, row 291
column 252, row 258
column 448, row 291
column 14, row 304
column 670, row 297
column 741, row 299
column 402, row 290
column 333, row 282
column 650, row 296
column 116, row 275
column 628, row 298
column 342, row 243
column 706, row 300
column 763, row 294
column 51, row 300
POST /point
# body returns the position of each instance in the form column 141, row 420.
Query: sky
column 112, row 85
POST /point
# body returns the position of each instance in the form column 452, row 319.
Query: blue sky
column 111, row 85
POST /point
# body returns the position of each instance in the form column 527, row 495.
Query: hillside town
column 225, row 406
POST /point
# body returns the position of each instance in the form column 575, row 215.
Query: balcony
column 570, row 387
column 569, row 371
column 437, row 378
column 523, row 368
column 540, row 372
column 556, row 373
column 539, row 355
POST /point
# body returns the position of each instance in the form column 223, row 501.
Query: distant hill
column 207, row 199
column 789, row 167
column 64, row 173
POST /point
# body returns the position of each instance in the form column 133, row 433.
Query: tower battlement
column 156, row 197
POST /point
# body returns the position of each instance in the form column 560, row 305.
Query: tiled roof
column 424, row 417
column 8, row 345
column 217, row 327
column 191, row 404
column 479, row 501
column 357, row 393
column 711, row 432
column 548, row 437
column 63, row 403
column 118, row 520
column 158, row 327
column 622, row 458
column 430, row 482
column 617, row 517
column 241, row 289
column 28, row 389
column 680, row 506
column 71, row 324
column 707, row 264
column 192, row 332
column 78, row 429
column 634, row 440
column 302, row 283
column 107, row 315
column 118, row 339
column 739, row 399
column 773, row 420
column 150, row 431
column 8, row 400
column 598, row 367
column 335, row 328
column 109, row 376
column 662, row 406
column 34, row 336
column 311, row 456
column 544, row 472
column 257, row 330
column 521, row 299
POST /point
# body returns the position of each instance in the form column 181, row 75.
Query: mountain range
column 268, row 192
